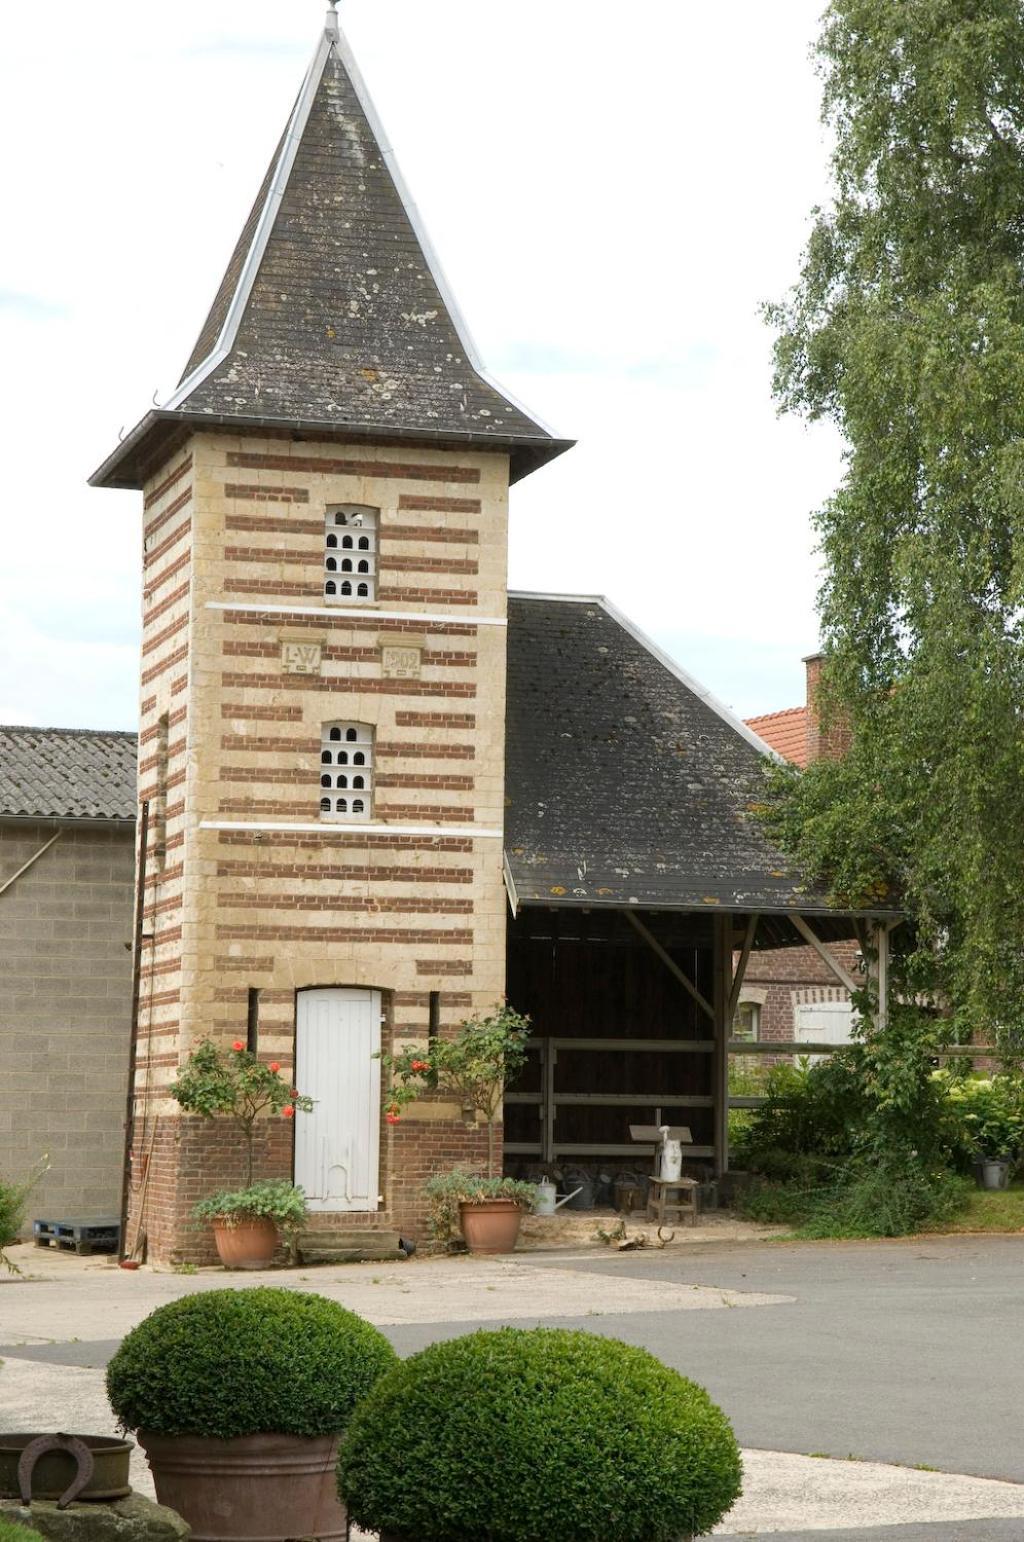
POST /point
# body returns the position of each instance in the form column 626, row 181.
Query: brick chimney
column 832, row 741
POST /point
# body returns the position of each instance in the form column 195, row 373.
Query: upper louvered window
column 346, row 771
column 350, row 554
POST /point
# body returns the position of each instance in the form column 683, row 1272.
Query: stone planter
column 490, row 1225
column 257, row 1488
column 55, row 1472
column 249, row 1243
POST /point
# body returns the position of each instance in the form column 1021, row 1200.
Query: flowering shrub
column 236, row 1083
column 988, row 1115
column 472, row 1067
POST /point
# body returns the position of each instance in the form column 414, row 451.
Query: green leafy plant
column 272, row 1199
column 237, row 1084
column 989, row 1116
column 225, row 1363
column 905, row 331
column 447, row 1191
column 473, row 1067
column 13, row 1198
column 524, row 1436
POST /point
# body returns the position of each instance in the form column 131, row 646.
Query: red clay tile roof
column 785, row 731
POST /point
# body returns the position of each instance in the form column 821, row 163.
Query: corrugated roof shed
column 66, row 773
column 785, row 731
column 627, row 783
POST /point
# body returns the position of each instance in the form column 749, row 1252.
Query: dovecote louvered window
column 346, row 771
column 350, row 554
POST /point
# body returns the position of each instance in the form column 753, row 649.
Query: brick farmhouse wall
column 65, row 1008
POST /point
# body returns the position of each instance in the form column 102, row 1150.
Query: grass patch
column 995, row 1210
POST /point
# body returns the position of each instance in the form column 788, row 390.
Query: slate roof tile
column 627, row 784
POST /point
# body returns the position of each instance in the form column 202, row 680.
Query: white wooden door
column 823, row 1022
column 337, row 1146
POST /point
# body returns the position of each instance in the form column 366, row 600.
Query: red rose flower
column 295, row 1092
column 420, row 1065
column 238, row 1044
column 287, row 1112
column 391, row 1118
column 275, row 1065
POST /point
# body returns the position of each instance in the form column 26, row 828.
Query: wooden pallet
column 82, row 1237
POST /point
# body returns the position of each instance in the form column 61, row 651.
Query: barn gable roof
column 628, row 784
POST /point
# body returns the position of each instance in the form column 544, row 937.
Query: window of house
column 350, row 554
column 346, row 771
column 746, row 1025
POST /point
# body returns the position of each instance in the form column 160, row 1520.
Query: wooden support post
column 548, row 1075
column 722, row 927
column 670, row 963
column 741, row 967
column 881, row 973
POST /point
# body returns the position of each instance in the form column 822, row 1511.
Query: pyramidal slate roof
column 333, row 314
column 627, row 784
column 66, row 773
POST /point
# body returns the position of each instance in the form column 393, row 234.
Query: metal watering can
column 547, row 1201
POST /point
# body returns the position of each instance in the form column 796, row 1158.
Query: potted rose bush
column 472, row 1067
column 248, row 1221
column 528, row 1436
column 239, row 1399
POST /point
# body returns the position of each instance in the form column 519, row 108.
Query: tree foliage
column 906, row 330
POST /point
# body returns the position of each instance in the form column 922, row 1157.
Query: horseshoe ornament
column 41, row 1447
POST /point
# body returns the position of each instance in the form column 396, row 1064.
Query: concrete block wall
column 65, row 1007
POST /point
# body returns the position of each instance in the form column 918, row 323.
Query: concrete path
column 866, row 1350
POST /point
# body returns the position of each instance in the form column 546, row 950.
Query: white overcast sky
column 613, row 189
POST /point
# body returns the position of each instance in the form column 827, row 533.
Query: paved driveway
column 907, row 1352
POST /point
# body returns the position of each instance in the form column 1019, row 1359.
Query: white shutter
column 337, row 1146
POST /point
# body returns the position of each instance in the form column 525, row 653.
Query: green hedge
column 529, row 1436
column 246, row 1362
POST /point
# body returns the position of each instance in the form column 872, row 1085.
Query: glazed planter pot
column 258, row 1488
column 247, row 1244
column 490, row 1225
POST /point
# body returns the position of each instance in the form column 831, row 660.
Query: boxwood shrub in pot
column 525, row 1436
column 239, row 1398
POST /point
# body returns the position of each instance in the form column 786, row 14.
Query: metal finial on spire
column 331, row 24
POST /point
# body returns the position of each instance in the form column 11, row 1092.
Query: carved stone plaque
column 300, row 657
column 400, row 661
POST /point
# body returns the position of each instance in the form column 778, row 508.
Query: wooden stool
column 681, row 1196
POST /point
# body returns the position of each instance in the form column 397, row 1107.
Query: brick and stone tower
column 323, row 680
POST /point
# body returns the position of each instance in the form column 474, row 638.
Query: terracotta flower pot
column 490, row 1225
column 258, row 1488
column 246, row 1244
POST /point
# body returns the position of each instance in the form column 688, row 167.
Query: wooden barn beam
column 741, row 967
column 723, row 989
column 670, row 963
column 823, row 953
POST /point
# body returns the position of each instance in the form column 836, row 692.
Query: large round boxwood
column 525, row 1436
column 246, row 1362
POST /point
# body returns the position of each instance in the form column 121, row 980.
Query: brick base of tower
column 180, row 1159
